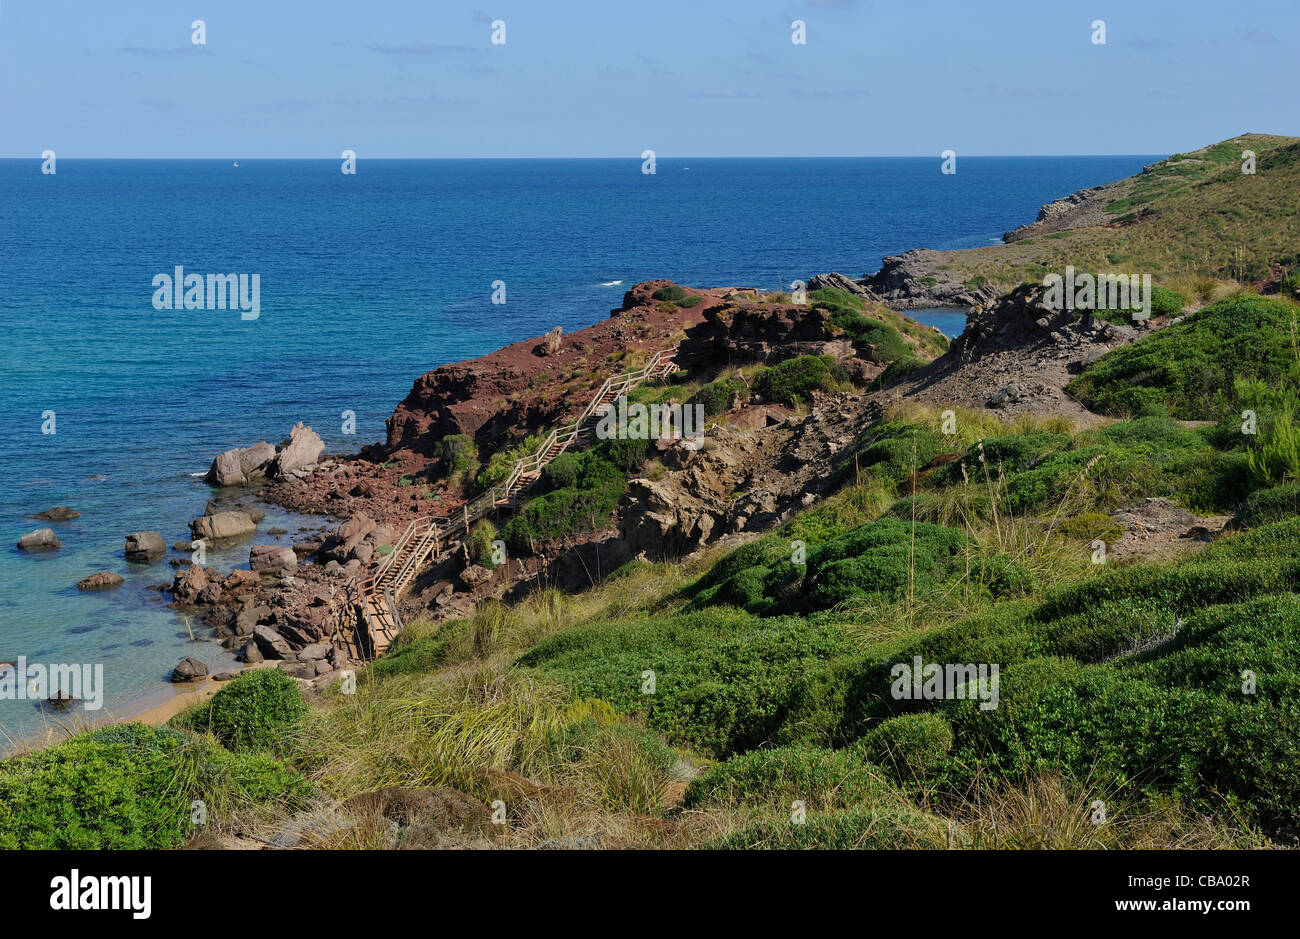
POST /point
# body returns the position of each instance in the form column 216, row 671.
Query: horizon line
column 634, row 158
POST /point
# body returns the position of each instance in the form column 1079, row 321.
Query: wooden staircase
column 373, row 595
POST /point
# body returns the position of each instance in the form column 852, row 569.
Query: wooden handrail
column 433, row 530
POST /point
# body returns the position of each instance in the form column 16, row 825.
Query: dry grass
column 1049, row 812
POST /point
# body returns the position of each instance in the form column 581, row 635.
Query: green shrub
column 1290, row 286
column 894, row 450
column 1271, row 505
column 501, row 464
column 411, row 657
column 86, row 794
column 629, row 455
column 260, row 710
column 884, row 343
column 586, row 504
column 910, row 746
column 1190, row 370
column 458, row 457
column 880, row 559
column 1002, row 577
column 795, row 379
column 722, row 677
column 478, row 545
column 769, row 780
column 1276, row 458
column 692, row 301
column 716, row 396
column 562, row 472
column 130, row 787
column 1166, row 302
column 672, row 292
column 1091, row 526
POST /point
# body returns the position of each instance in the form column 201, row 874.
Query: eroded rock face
column 763, row 332
column 835, row 281
column 534, row 377
column 661, row 521
column 475, row 575
column 43, row 539
column 550, row 343
column 915, row 279
column 144, row 547
column 189, row 583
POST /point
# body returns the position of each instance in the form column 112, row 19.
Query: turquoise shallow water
column 367, row 281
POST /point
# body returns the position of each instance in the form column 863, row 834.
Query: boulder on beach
column 189, row 670
column 239, row 579
column 223, row 525
column 272, row 559
column 43, row 539
column 340, row 543
column 100, row 581
column 303, row 449
column 271, row 644
column 144, row 547
column 60, row 513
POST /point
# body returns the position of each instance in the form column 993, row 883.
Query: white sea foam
column 612, row 283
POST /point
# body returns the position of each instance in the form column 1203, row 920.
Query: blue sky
column 585, row 78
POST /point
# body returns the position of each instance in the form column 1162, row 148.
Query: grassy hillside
column 1195, row 222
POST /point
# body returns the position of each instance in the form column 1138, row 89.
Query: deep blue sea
column 367, row 281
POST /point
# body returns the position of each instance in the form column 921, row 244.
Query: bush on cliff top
column 672, row 293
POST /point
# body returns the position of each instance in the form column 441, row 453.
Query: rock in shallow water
column 143, row 547
column 223, row 525
column 43, row 539
column 100, row 581
column 60, row 513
